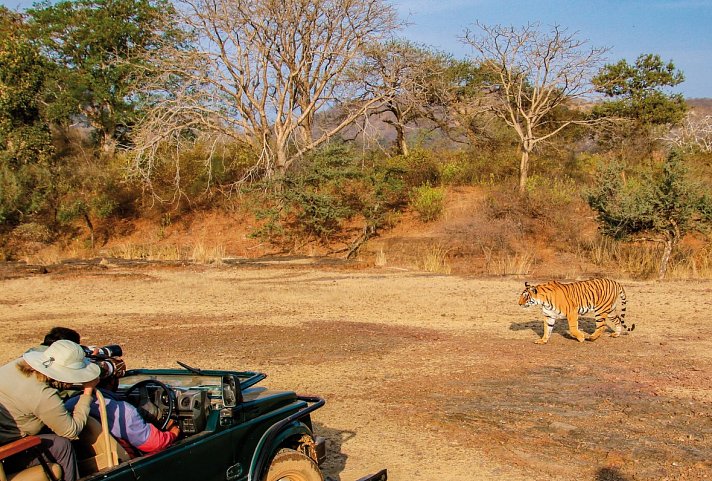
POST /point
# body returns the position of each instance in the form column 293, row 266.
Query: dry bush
column 506, row 264
column 208, row 255
column 435, row 260
column 47, row 257
column 641, row 260
column 380, row 260
column 151, row 252
column 692, row 264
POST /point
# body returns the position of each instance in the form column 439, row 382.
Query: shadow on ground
column 610, row 474
column 335, row 458
column 561, row 327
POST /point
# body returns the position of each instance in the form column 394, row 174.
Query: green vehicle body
column 244, row 426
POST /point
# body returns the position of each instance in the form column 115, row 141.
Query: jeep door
column 207, row 456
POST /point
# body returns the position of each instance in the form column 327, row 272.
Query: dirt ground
column 434, row 377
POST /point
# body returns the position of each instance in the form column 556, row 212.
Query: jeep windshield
column 184, row 381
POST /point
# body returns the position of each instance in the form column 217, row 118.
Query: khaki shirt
column 27, row 405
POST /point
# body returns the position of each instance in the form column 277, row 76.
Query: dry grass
column 697, row 266
column 202, row 254
column 49, row 256
column 198, row 253
column 504, row 264
column 642, row 261
column 380, row 260
column 435, row 260
column 149, row 252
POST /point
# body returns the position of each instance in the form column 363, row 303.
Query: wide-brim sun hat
column 63, row 361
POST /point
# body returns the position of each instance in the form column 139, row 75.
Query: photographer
column 29, row 401
column 125, row 422
column 57, row 334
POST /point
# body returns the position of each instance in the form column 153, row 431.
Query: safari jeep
column 232, row 430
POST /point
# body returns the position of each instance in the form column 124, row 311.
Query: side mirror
column 231, row 392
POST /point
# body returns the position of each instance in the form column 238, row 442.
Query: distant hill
column 701, row 106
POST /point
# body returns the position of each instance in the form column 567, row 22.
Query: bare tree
column 258, row 71
column 695, row 133
column 534, row 73
column 413, row 81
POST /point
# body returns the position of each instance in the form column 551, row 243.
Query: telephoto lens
column 112, row 350
column 111, row 367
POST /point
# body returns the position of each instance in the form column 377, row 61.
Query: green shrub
column 330, row 187
column 418, row 167
column 32, row 232
column 452, row 173
column 473, row 167
column 552, row 191
column 428, row 202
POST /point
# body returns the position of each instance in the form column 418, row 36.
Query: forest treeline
column 316, row 113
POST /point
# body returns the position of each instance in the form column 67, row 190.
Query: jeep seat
column 96, row 448
column 43, row 472
column 93, row 454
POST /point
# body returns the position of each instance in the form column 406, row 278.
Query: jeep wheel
column 290, row 465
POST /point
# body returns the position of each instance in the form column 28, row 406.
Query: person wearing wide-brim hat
column 30, row 402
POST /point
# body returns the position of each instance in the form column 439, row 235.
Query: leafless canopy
column 412, row 80
column 695, row 133
column 535, row 72
column 258, row 71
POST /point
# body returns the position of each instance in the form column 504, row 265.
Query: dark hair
column 59, row 333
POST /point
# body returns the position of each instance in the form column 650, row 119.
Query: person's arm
column 52, row 412
column 128, row 424
column 159, row 440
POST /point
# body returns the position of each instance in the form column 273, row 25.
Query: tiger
column 569, row 301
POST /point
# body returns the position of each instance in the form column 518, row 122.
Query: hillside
column 482, row 231
column 702, row 106
column 487, row 232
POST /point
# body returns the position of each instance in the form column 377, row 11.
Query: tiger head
column 528, row 297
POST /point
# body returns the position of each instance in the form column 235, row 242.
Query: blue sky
column 678, row 30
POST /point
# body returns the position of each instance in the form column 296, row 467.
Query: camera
column 110, row 367
column 108, row 358
column 112, row 350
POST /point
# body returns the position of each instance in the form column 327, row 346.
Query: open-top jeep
column 231, row 430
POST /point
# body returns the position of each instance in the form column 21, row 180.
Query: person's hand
column 173, row 428
column 90, row 385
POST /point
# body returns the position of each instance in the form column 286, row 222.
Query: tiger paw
column 540, row 341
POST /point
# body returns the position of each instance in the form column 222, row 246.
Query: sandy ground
column 433, row 377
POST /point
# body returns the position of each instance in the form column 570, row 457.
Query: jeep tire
column 290, row 465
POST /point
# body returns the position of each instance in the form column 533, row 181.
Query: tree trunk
column 281, row 161
column 90, row 226
column 400, row 140
column 523, row 171
column 669, row 242
column 303, row 133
